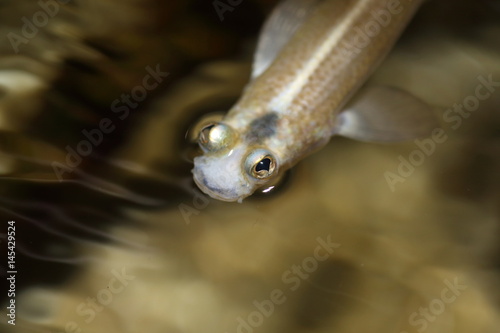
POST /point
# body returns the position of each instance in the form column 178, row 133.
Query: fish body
column 312, row 57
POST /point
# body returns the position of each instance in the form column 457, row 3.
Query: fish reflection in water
column 110, row 249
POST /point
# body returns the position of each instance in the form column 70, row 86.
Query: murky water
column 111, row 234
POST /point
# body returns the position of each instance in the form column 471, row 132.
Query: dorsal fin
column 285, row 19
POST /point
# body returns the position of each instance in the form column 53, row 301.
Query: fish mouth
column 221, row 175
column 216, row 192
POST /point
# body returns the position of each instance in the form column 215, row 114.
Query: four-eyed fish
column 312, row 59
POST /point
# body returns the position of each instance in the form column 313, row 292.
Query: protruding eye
column 260, row 164
column 215, row 136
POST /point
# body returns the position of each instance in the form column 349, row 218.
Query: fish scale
column 307, row 83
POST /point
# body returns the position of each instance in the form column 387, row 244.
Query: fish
column 309, row 83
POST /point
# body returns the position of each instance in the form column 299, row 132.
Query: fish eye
column 260, row 164
column 215, row 136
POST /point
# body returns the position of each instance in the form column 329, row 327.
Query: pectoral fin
column 286, row 18
column 386, row 114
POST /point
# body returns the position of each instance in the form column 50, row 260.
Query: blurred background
column 98, row 100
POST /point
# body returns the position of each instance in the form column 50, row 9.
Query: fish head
column 230, row 169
